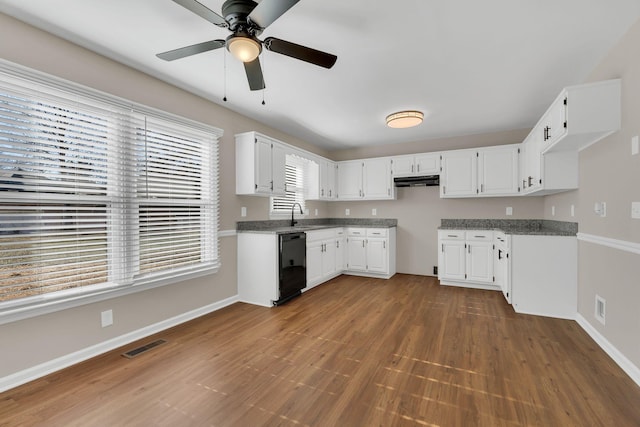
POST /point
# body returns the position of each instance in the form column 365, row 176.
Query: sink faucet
column 293, row 222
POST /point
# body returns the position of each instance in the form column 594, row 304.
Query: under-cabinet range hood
column 417, row 181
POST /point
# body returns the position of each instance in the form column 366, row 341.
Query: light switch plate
column 573, row 210
column 347, row 211
column 553, row 211
column 634, row 145
column 600, row 208
column 243, row 211
column 374, row 211
column 509, row 210
column 635, row 210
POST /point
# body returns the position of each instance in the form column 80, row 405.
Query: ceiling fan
column 246, row 19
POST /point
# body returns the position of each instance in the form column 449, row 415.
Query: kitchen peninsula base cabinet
column 544, row 278
column 258, row 268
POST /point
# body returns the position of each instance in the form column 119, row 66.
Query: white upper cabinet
column 498, row 170
column 459, row 174
column 580, row 116
column 490, row 171
column 415, row 165
column 377, row 179
column 260, row 165
column 322, row 180
column 350, row 180
column 368, row 179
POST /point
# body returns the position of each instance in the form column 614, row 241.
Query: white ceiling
column 471, row 66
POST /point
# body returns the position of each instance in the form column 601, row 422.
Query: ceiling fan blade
column 194, row 49
column 297, row 51
column 202, row 11
column 254, row 74
column 268, row 11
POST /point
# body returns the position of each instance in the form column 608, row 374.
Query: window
column 295, row 178
column 96, row 195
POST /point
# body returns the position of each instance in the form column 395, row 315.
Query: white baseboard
column 59, row 363
column 632, row 370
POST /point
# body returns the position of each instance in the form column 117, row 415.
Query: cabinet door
column 427, row 164
column 377, row 255
column 340, row 253
column 278, row 166
column 451, row 260
column 377, row 178
column 403, row 166
column 459, row 174
column 328, row 258
column 554, row 122
column 350, row 180
column 533, row 157
column 327, row 180
column 480, row 261
column 356, row 254
column 314, row 263
column 498, row 171
column 263, row 165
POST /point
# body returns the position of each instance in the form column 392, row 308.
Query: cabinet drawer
column 377, row 232
column 321, row 234
column 480, row 235
column 357, row 232
column 451, row 235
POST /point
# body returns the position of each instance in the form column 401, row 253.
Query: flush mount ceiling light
column 244, row 47
column 404, row 119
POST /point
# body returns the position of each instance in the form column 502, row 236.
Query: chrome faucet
column 293, row 222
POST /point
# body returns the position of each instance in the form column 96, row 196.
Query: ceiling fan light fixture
column 405, row 119
column 244, row 48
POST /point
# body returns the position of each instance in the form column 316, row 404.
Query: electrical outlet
column 635, row 210
column 347, row 212
column 243, row 211
column 553, row 211
column 374, row 211
column 316, row 212
column 106, row 318
column 601, row 309
column 634, row 145
column 573, row 210
column 509, row 210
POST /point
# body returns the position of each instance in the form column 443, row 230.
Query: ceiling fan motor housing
column 235, row 12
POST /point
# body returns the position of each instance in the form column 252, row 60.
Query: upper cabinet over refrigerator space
column 580, row 116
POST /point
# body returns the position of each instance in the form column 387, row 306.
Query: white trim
column 622, row 245
column 227, row 233
column 46, row 368
column 627, row 366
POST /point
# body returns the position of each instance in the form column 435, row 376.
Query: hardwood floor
column 352, row 352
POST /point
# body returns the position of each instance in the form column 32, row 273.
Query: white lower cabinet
column 322, row 250
column 544, row 278
column 371, row 251
column 465, row 258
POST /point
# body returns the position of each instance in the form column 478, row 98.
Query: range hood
column 417, row 181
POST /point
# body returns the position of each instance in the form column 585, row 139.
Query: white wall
column 609, row 173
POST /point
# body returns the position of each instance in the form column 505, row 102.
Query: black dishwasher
column 292, row 266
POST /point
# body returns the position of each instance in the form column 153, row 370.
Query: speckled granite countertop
column 541, row 227
column 282, row 225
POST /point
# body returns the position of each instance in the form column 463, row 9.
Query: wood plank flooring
column 352, row 352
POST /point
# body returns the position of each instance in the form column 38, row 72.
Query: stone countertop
column 533, row 227
column 282, row 226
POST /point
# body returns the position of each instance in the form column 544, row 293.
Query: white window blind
column 94, row 196
column 295, row 178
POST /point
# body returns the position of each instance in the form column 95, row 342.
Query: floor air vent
column 137, row 351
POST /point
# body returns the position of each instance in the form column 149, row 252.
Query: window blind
column 295, row 173
column 94, row 195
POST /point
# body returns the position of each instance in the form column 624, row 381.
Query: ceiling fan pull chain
column 264, row 87
column 224, row 54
